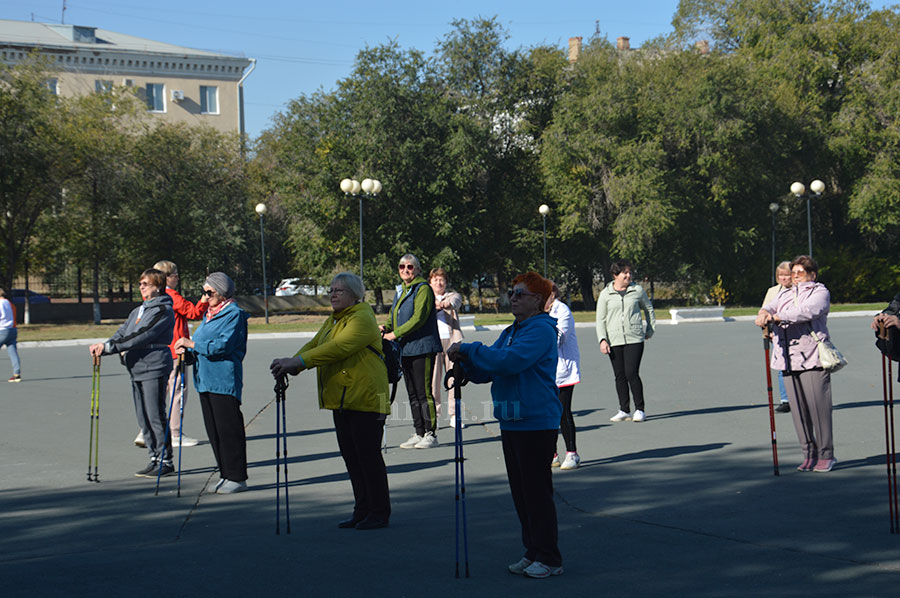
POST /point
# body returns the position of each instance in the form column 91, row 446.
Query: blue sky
column 304, row 46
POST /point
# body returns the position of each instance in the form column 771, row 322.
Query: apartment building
column 177, row 84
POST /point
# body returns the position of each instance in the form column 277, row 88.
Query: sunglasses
column 517, row 293
column 406, row 267
column 208, row 293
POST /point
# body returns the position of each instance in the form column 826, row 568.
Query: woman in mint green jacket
column 621, row 334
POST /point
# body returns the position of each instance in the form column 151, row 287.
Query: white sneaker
column 519, row 568
column 139, row 440
column 231, row 487
column 412, row 442
column 621, row 416
column 184, row 441
column 539, row 570
column 554, row 463
column 429, row 441
column 639, row 416
column 462, row 424
column 571, row 461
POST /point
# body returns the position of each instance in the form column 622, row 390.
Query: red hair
column 535, row 283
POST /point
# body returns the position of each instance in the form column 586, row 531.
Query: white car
column 294, row 286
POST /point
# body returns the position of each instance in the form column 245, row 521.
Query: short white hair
column 411, row 259
column 352, row 283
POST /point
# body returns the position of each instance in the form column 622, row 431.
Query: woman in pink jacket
column 800, row 314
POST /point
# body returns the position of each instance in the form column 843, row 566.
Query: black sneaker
column 150, row 468
column 783, row 408
column 167, row 469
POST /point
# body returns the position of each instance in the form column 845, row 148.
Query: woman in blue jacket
column 219, row 345
column 521, row 364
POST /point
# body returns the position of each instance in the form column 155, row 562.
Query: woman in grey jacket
column 621, row 335
column 145, row 338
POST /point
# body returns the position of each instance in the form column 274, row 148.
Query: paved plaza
column 684, row 504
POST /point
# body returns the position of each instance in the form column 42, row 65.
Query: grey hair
column 785, row 265
column 352, row 283
column 411, row 259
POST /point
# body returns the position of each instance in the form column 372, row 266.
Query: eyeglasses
column 517, row 293
column 144, row 283
column 406, row 267
column 798, row 272
column 208, row 293
column 336, row 291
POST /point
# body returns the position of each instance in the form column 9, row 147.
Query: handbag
column 830, row 358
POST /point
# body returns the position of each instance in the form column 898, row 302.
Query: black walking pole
column 281, row 384
column 181, row 368
column 767, row 341
column 95, row 420
column 458, row 382
column 889, row 447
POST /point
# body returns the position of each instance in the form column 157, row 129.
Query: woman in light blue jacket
column 219, row 345
column 621, row 335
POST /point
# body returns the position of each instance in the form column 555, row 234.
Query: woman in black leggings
column 621, row 335
column 567, row 375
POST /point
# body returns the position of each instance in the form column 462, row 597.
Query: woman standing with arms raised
column 621, row 335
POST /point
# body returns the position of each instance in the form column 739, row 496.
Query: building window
column 209, row 99
column 101, row 85
column 156, row 97
column 53, row 86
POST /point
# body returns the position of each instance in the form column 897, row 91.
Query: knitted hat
column 222, row 284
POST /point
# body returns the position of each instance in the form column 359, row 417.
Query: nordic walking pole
column 893, row 447
column 97, row 447
column 885, row 377
column 458, row 382
column 181, row 368
column 281, row 385
column 162, row 455
column 767, row 341
column 95, row 399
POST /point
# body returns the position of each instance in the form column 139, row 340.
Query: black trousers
column 626, row 361
column 418, row 370
column 528, row 455
column 150, row 408
column 567, row 422
column 225, row 430
column 359, row 439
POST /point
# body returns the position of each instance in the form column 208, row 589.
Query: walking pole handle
column 95, row 360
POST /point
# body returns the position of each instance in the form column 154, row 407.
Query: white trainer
column 412, row 442
column 539, row 570
column 519, row 568
column 555, row 462
column 571, row 461
column 462, row 424
column 429, row 441
column 621, row 416
column 139, row 440
column 639, row 416
column 184, row 441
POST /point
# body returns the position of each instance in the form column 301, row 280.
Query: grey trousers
column 809, row 393
column 150, row 407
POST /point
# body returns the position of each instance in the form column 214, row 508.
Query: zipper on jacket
column 343, row 394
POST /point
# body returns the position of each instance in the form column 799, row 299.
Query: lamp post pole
column 370, row 188
column 773, row 207
column 799, row 190
column 261, row 210
column 544, row 210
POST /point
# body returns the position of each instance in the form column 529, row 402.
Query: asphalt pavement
column 684, row 504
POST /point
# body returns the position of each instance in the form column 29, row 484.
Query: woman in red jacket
column 184, row 311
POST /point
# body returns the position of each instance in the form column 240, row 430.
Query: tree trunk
column 586, row 282
column 379, row 301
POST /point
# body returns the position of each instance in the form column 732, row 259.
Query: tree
column 32, row 158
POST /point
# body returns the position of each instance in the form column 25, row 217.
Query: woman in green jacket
column 352, row 382
column 621, row 335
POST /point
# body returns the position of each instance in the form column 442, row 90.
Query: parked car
column 296, row 286
column 18, row 297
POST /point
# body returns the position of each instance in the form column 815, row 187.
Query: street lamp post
column 370, row 188
column 799, row 190
column 544, row 210
column 773, row 207
column 261, row 210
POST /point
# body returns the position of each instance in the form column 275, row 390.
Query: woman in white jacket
column 567, row 375
column 621, row 335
